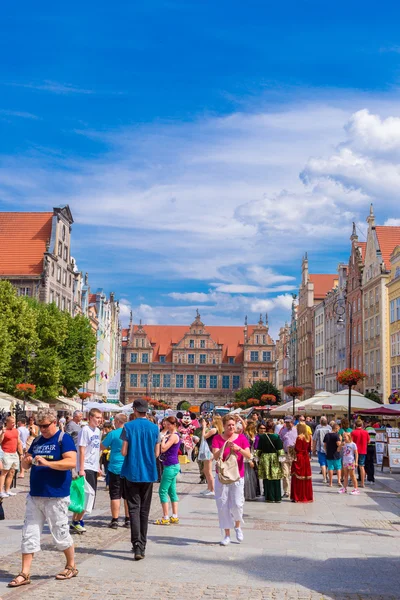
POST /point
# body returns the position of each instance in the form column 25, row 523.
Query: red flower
column 28, row 388
column 350, row 377
column 293, row 391
column 268, row 398
column 253, row 402
column 84, row 395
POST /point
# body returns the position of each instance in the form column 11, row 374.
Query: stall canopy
column 5, row 401
column 103, row 406
column 339, row 402
column 390, row 410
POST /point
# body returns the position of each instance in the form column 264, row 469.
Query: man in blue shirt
column 50, row 457
column 141, row 447
column 113, row 442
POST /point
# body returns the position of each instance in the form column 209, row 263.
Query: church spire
column 371, row 216
column 354, row 236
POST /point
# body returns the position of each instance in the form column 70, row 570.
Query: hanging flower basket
column 268, row 398
column 84, row 395
column 26, row 388
column 293, row 391
column 253, row 402
column 350, row 377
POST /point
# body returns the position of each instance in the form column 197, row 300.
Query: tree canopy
column 258, row 389
column 54, row 350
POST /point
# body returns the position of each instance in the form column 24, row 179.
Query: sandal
column 68, row 573
column 26, row 578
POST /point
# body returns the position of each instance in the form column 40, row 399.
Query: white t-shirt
column 278, row 427
column 23, row 435
column 90, row 439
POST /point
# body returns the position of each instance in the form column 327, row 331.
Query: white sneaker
column 209, row 493
column 10, row 493
column 239, row 534
column 4, row 495
column 225, row 541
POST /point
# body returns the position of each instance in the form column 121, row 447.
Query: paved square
column 339, row 547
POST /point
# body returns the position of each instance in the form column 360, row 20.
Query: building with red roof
column 35, row 255
column 313, row 290
column 381, row 242
column 195, row 363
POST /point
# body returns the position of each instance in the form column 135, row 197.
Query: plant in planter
column 25, row 388
column 268, row 399
column 350, row 377
column 294, row 391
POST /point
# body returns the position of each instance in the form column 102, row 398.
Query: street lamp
column 339, row 308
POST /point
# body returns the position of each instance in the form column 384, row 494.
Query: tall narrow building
column 313, row 289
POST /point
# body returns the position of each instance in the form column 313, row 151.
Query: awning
column 391, row 410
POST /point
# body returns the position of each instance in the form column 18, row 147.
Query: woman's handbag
column 281, row 457
column 228, row 470
column 204, row 451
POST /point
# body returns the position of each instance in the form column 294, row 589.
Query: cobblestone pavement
column 336, row 549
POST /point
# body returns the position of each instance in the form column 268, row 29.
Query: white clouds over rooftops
column 220, row 200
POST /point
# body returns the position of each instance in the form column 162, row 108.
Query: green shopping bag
column 77, row 495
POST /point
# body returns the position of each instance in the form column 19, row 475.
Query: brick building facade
column 195, row 363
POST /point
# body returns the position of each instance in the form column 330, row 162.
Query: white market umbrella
column 285, row 409
column 339, row 402
column 4, row 403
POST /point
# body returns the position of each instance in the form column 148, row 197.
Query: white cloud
column 18, row 113
column 231, row 202
column 392, row 222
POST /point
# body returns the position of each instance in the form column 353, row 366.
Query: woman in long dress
column 251, row 481
column 269, row 448
column 301, row 488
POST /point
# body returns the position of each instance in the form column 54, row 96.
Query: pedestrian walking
column 344, row 427
column 361, row 438
column 23, row 436
column 288, row 435
column 208, row 433
column 33, row 431
column 318, row 447
column 11, row 446
column 230, row 496
column 370, row 458
column 301, row 486
column 170, row 443
column 88, row 460
column 113, row 443
column 73, row 427
column 50, row 458
column 350, row 463
column 269, row 448
column 141, row 446
column 251, row 480
column 332, row 444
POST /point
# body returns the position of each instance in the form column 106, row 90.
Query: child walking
column 350, row 464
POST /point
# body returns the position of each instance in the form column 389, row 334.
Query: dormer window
column 162, row 358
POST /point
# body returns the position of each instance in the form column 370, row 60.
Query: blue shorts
column 361, row 460
column 335, row 464
column 322, row 459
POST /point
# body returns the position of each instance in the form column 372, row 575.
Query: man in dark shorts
column 113, row 442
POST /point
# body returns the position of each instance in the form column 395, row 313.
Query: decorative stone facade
column 195, row 363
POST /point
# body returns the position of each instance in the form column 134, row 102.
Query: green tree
column 77, row 353
column 259, row 388
column 18, row 336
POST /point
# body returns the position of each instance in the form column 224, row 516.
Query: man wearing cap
column 288, row 435
column 141, row 447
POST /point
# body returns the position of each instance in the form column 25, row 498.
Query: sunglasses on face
column 45, row 425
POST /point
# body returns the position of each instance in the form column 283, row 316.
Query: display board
column 393, row 447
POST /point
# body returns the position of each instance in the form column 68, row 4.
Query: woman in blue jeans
column 169, row 454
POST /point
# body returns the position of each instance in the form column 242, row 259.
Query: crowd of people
column 254, row 458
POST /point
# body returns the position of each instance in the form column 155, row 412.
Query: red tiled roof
column 323, row 284
column 92, row 298
column 388, row 239
column 164, row 336
column 23, row 238
column 363, row 247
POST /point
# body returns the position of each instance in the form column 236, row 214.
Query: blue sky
column 202, row 146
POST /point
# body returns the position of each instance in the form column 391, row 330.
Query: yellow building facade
column 394, row 319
